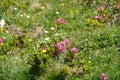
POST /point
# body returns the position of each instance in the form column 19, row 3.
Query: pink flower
column 103, row 76
column 63, row 22
column 99, row 17
column 1, row 40
column 58, row 20
column 61, row 46
column 118, row 6
column 74, row 50
column 63, row 49
column 67, row 41
column 62, row 43
column 99, row 8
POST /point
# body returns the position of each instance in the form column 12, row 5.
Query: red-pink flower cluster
column 74, row 50
column 103, row 76
column 60, row 21
column 1, row 40
column 98, row 17
column 61, row 46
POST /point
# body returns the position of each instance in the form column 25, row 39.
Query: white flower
column 52, row 28
column 57, row 12
column 24, row 14
column 28, row 16
column 46, row 32
column 2, row 23
column 46, row 39
column 15, row 8
column 57, row 34
column 4, row 37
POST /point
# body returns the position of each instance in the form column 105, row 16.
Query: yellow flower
column 42, row 7
column 1, row 29
column 30, row 40
column 62, row 4
column 43, row 51
column 7, row 31
column 88, row 21
column 71, row 12
column 89, row 62
column 38, row 46
column 21, row 15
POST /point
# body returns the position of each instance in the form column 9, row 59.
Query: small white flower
column 52, row 28
column 86, row 39
column 2, row 23
column 4, row 37
column 24, row 14
column 46, row 39
column 15, row 8
column 46, row 32
column 57, row 34
column 57, row 12
column 28, row 16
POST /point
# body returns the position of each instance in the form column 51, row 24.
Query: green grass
column 22, row 55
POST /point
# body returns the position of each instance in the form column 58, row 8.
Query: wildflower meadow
column 59, row 39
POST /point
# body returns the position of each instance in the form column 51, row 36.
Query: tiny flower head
column 57, row 34
column 99, row 17
column 1, row 40
column 38, row 46
column 103, row 76
column 52, row 28
column 30, row 40
column 24, row 14
column 118, row 6
column 74, row 50
column 15, row 8
column 62, row 4
column 57, row 12
column 4, row 37
column 7, row 31
column 28, row 16
column 21, row 15
column 46, row 32
column 46, row 39
column 99, row 8
column 63, row 22
column 1, row 29
column 58, row 20
column 67, row 41
column 42, row 7
column 2, row 23
column 44, row 51
column 71, row 12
